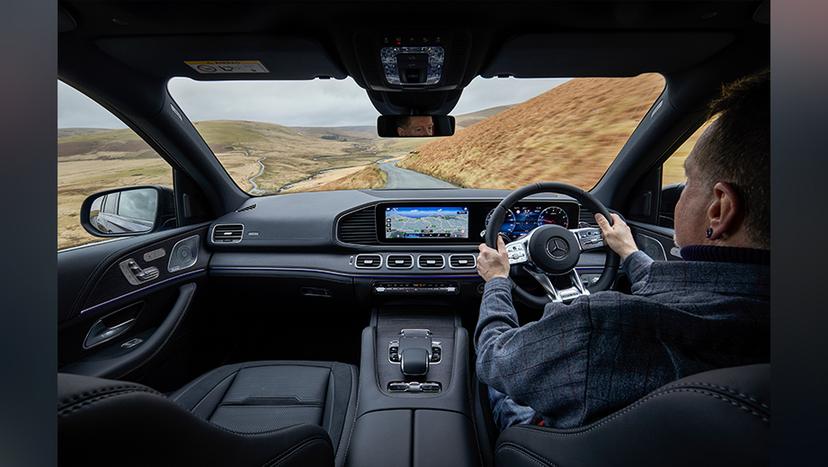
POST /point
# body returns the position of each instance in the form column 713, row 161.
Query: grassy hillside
column 469, row 119
column 94, row 159
column 290, row 155
column 570, row 134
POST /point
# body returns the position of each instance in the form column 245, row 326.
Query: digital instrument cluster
column 522, row 219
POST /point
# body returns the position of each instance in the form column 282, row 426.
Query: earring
column 709, row 232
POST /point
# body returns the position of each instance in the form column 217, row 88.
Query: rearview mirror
column 128, row 211
column 414, row 126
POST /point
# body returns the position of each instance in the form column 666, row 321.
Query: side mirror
column 670, row 195
column 129, row 211
column 414, row 126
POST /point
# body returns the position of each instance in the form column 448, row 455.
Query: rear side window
column 672, row 172
column 111, row 204
column 98, row 152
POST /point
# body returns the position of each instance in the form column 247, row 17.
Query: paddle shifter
column 414, row 351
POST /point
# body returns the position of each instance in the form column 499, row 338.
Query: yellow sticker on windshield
column 210, row 67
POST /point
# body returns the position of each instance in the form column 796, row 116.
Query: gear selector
column 414, row 351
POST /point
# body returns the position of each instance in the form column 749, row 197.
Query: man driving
column 584, row 360
column 416, row 125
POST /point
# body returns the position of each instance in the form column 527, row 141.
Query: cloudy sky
column 290, row 103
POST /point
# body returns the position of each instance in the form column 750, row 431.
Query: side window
column 672, row 178
column 111, row 204
column 97, row 152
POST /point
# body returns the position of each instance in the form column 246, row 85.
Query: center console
column 414, row 404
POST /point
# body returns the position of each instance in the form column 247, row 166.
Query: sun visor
column 248, row 57
column 602, row 54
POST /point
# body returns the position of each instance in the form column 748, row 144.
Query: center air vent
column 359, row 227
column 462, row 261
column 586, row 217
column 431, row 261
column 399, row 261
column 368, row 261
column 227, row 233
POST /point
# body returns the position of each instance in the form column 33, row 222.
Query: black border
column 28, row 280
column 800, row 315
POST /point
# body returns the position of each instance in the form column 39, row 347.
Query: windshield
column 291, row 136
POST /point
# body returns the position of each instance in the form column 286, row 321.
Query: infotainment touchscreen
column 413, row 222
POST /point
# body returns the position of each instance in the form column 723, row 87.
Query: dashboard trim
column 338, row 273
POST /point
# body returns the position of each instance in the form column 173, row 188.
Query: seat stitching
column 285, row 455
column 253, row 406
column 68, row 410
column 728, row 389
column 332, row 389
column 76, row 406
column 642, row 401
column 356, row 414
column 86, row 394
column 536, row 458
column 209, row 391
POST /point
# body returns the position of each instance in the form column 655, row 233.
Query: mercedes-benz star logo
column 557, row 247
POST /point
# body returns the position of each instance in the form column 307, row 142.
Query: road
column 404, row 178
column 252, row 180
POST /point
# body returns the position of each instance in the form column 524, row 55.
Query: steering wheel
column 553, row 250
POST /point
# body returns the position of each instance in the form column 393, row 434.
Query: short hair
column 737, row 149
column 404, row 121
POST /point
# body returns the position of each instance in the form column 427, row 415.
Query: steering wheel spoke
column 551, row 252
column 517, row 251
column 589, row 238
column 565, row 295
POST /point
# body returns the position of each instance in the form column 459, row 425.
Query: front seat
column 267, row 413
column 715, row 418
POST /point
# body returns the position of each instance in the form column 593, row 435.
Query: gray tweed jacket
column 584, row 360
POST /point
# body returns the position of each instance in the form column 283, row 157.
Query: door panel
column 119, row 304
column 656, row 241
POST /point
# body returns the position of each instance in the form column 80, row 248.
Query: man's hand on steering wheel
column 550, row 252
column 618, row 235
column 493, row 263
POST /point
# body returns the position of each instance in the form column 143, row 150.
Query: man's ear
column 725, row 213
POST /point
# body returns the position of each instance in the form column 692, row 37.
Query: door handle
column 100, row 332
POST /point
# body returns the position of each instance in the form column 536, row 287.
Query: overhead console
column 413, row 60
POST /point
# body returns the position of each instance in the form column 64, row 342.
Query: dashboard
column 377, row 220
column 376, row 243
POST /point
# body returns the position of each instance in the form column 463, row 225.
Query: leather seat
column 715, row 418
column 254, row 413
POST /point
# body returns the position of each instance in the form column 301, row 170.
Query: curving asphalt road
column 404, row 178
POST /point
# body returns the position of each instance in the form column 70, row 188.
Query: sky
column 290, row 103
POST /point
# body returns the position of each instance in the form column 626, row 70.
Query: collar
column 710, row 269
column 726, row 254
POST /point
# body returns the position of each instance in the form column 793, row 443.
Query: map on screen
column 426, row 222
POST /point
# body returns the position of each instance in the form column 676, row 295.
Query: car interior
column 209, row 326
